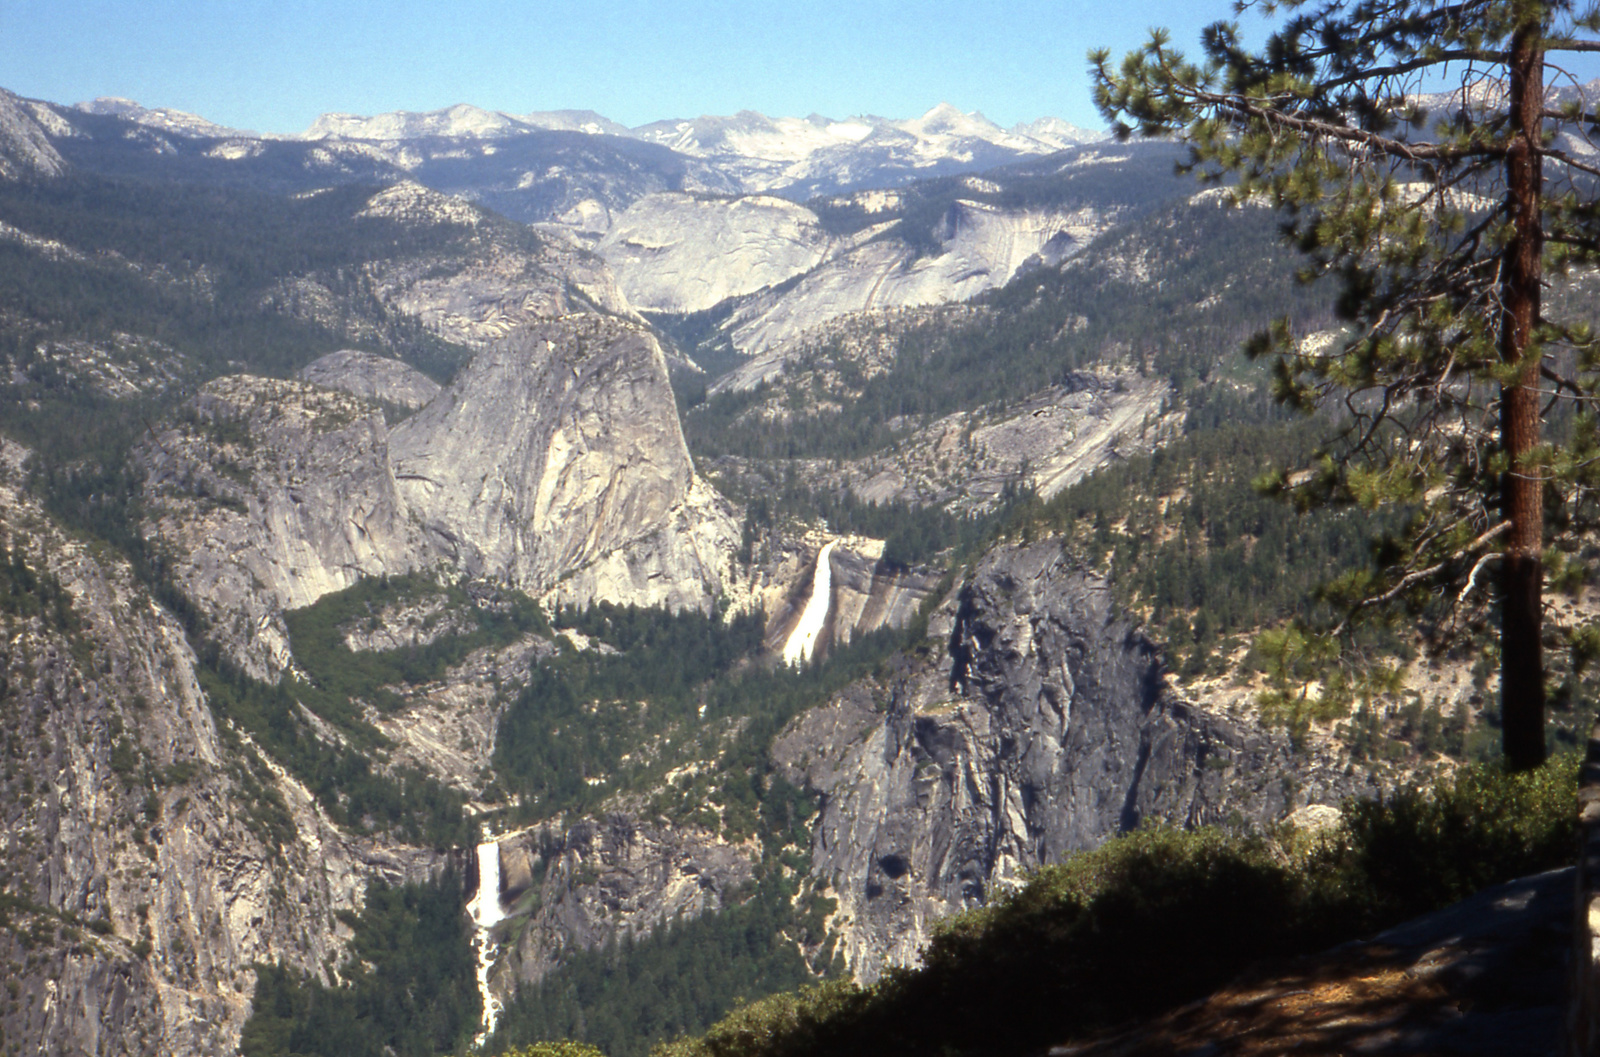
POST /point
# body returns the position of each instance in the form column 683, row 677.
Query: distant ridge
column 164, row 119
column 25, row 148
column 573, row 168
column 797, row 157
column 944, row 120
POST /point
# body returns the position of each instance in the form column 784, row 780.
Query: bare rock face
column 980, row 246
column 272, row 494
column 870, row 593
column 558, row 455
column 985, row 247
column 372, row 377
column 868, row 342
column 687, row 562
column 1057, row 437
column 967, row 460
column 158, row 855
column 447, row 728
column 478, row 301
column 1043, row 729
column 472, row 278
column 602, row 879
column 507, row 278
column 679, row 253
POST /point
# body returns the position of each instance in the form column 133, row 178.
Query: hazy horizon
column 274, row 69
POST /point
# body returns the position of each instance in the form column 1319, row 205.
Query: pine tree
column 1421, row 159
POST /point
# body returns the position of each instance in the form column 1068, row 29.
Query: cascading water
column 803, row 639
column 486, row 913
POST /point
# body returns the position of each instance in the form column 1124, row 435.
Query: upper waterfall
column 803, row 639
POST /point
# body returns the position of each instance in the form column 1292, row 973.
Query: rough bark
column 1521, row 659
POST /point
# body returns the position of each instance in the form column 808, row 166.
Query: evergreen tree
column 1443, row 217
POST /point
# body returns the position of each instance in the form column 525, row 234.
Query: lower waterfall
column 486, row 912
column 803, row 639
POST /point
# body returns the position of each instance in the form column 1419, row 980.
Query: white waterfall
column 803, row 639
column 486, row 913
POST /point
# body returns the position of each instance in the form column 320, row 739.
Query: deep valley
column 470, row 580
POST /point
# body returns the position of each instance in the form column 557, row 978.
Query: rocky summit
column 558, row 454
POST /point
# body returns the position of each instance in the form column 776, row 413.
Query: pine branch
column 1386, row 145
column 1410, row 580
column 1419, row 63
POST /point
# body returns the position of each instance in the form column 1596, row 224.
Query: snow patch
column 237, row 149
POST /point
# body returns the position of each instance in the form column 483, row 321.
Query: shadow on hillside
column 1484, row 976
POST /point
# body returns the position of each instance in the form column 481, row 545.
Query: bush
column 1419, row 849
column 563, row 1048
column 791, row 1020
column 1162, row 916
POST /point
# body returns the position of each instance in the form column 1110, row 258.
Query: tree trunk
column 1521, row 492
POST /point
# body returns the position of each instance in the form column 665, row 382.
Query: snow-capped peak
column 1055, row 133
column 463, row 120
column 748, row 150
column 162, row 118
column 819, row 153
column 951, row 129
column 947, row 120
column 574, row 121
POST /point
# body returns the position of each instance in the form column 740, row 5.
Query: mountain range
column 713, row 552
column 798, row 157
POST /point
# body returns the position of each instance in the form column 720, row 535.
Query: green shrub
column 1417, row 850
column 562, row 1048
column 1162, row 916
column 792, row 1019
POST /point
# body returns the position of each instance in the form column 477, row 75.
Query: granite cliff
column 783, row 274
column 1042, row 726
column 380, row 378
column 620, row 874
column 269, row 494
column 556, row 462
column 682, row 253
column 152, row 854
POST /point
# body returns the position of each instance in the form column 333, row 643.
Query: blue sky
column 274, row 66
